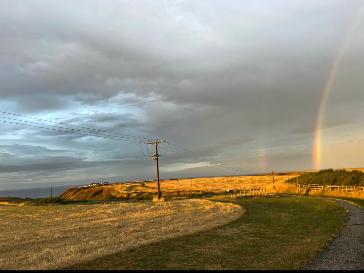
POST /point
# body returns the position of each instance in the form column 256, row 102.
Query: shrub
column 48, row 200
column 331, row 177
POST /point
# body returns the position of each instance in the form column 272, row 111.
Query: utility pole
column 156, row 158
column 274, row 186
column 51, row 192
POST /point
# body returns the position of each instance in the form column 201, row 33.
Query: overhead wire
column 98, row 133
column 66, row 129
column 88, row 129
column 142, row 152
column 59, row 130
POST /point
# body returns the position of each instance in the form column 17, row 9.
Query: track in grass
column 274, row 233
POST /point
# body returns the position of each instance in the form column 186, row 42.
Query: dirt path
column 347, row 250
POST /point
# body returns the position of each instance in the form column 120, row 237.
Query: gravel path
column 347, row 250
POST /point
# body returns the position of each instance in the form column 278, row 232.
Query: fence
column 250, row 192
column 303, row 189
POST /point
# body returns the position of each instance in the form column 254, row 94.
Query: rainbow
column 317, row 138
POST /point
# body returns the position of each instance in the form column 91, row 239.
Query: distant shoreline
column 35, row 192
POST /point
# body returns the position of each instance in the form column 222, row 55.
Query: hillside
column 354, row 177
column 177, row 187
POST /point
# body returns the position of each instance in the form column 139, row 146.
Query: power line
column 67, row 129
column 142, row 152
column 98, row 133
column 47, row 128
column 57, row 129
column 55, row 122
column 81, row 127
column 63, row 129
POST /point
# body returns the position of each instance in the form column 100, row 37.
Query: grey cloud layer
column 214, row 76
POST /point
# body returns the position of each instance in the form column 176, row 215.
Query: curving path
column 347, row 250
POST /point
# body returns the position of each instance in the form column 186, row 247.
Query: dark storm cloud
column 219, row 78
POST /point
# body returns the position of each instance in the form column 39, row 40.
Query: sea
column 35, row 192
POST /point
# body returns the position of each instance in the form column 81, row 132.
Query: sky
column 235, row 85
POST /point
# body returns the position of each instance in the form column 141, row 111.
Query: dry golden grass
column 274, row 234
column 355, row 169
column 354, row 194
column 183, row 186
column 221, row 184
column 47, row 237
column 7, row 203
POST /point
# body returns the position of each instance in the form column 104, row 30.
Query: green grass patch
column 358, row 201
column 274, row 233
column 14, row 200
column 48, row 201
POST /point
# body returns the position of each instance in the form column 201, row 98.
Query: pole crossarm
column 156, row 156
column 156, row 141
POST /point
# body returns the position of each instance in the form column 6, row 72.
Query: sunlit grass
column 339, row 194
column 46, row 237
column 274, row 233
column 183, row 187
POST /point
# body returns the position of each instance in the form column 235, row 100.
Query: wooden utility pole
column 274, row 186
column 156, row 157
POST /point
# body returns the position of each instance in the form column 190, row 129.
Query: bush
column 331, row 177
column 48, row 200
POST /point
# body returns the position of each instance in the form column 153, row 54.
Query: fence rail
column 327, row 188
column 252, row 192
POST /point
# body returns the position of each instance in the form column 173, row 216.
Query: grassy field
column 47, row 237
column 274, row 233
column 182, row 187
